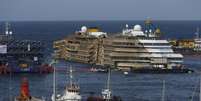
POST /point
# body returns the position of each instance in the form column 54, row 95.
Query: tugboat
column 71, row 93
column 24, row 93
column 19, row 56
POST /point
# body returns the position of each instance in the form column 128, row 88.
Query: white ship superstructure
column 161, row 53
column 135, row 48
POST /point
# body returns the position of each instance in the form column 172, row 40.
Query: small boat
column 106, row 94
column 125, row 73
column 98, row 69
column 24, row 93
column 71, row 93
column 93, row 69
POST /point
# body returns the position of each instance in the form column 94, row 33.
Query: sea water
column 131, row 87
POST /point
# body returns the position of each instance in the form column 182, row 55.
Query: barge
column 188, row 46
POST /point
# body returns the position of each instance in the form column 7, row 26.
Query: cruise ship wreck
column 84, row 46
column 133, row 49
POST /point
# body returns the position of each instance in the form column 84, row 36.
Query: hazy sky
column 100, row 9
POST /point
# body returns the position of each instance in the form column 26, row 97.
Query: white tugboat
column 71, row 93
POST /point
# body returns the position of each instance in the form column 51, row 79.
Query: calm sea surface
column 132, row 87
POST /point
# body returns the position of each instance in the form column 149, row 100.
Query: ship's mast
column 197, row 33
column 200, row 89
column 163, row 92
column 71, row 76
column 7, row 28
column 54, row 80
column 10, row 88
column 108, row 79
column 107, row 90
column 54, row 85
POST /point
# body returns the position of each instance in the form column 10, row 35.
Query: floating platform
column 19, row 56
column 161, row 71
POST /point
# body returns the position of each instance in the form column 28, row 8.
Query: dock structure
column 21, row 55
column 22, row 52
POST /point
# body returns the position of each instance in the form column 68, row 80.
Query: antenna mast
column 54, row 81
column 200, row 89
column 197, row 33
column 71, row 76
column 6, row 28
column 108, row 79
column 163, row 92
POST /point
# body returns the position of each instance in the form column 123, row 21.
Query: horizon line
column 98, row 20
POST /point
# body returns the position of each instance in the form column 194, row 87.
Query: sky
column 53, row 10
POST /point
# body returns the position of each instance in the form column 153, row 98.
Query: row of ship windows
column 140, row 44
column 133, row 58
column 143, row 58
column 81, row 57
column 162, row 44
